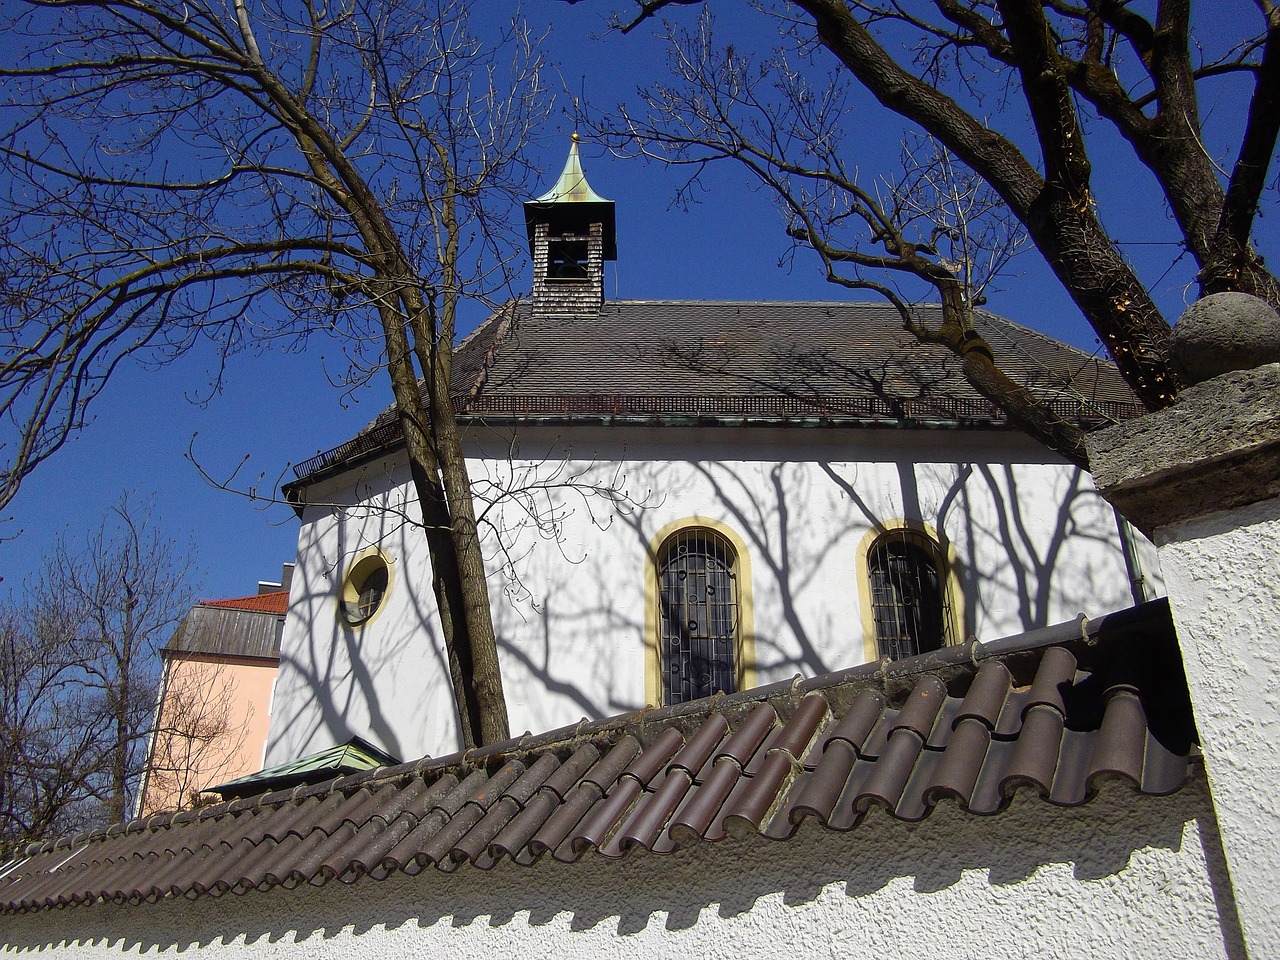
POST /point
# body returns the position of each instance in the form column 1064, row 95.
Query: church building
column 791, row 615
column 679, row 498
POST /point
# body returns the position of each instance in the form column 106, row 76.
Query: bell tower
column 571, row 234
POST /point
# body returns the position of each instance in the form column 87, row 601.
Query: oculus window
column 365, row 588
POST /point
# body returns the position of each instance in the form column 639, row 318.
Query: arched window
column 910, row 604
column 699, row 614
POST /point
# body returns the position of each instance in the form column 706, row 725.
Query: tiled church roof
column 708, row 361
column 1056, row 711
column 808, row 357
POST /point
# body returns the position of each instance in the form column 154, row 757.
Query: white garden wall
column 1125, row 877
column 1224, row 575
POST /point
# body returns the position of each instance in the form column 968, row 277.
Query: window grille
column 698, row 596
column 371, row 592
column 910, row 602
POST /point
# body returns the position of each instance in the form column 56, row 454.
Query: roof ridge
column 505, row 318
column 999, row 320
column 509, row 305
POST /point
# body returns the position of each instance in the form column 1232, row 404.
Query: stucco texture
column 1224, row 586
column 1124, row 877
column 236, row 698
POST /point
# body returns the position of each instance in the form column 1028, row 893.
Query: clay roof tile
column 1060, row 711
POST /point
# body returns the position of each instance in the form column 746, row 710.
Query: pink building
column 215, row 696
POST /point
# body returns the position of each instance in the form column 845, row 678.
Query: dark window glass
column 372, row 591
column 908, row 596
column 698, row 595
column 364, row 590
column 567, row 260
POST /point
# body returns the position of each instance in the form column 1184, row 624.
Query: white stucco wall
column 1124, row 877
column 1223, row 572
column 1033, row 543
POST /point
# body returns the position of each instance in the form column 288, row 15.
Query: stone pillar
column 1202, row 480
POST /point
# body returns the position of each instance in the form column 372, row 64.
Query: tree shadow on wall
column 1027, row 553
column 329, row 682
column 1014, row 538
column 958, row 864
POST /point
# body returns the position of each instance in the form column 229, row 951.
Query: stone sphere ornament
column 1224, row 332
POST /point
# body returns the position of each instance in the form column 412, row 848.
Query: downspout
column 1132, row 562
column 151, row 740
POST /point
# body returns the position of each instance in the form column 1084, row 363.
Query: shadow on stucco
column 957, row 864
column 327, row 691
column 1022, row 561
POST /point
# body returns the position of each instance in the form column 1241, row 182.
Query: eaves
column 385, row 438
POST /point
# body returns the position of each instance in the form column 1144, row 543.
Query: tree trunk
column 1232, row 263
column 485, row 675
column 447, row 581
column 124, row 655
column 458, row 579
column 433, row 340
column 1025, row 412
column 1061, row 222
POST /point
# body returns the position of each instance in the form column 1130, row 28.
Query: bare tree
column 206, row 171
column 940, row 64
column 42, row 747
column 79, row 675
column 193, row 743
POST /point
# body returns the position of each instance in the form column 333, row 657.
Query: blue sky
column 277, row 408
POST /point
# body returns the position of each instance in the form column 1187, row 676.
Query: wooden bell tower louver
column 571, row 234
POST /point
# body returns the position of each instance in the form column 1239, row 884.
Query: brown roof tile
column 966, row 752
column 550, row 797
column 704, row 807
column 749, row 810
column 1057, row 711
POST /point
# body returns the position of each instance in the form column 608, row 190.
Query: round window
column 365, row 588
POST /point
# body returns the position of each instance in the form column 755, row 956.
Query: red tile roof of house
column 277, row 602
column 1058, row 712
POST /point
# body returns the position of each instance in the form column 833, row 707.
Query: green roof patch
column 353, row 756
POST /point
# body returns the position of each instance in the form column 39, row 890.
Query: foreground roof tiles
column 1055, row 712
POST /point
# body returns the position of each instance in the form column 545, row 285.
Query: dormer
column 571, row 234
